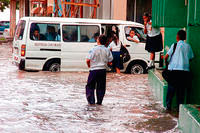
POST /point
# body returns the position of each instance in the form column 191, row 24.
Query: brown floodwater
column 37, row 102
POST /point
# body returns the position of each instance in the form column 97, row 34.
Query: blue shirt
column 92, row 40
column 181, row 58
column 99, row 56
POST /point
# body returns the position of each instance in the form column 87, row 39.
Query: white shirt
column 152, row 31
column 115, row 48
column 134, row 37
column 99, row 56
column 181, row 58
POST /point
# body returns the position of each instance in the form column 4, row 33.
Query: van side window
column 80, row 33
column 45, row 32
column 138, row 32
column 70, row 33
column 20, row 30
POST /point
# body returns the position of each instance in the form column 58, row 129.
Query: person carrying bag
column 178, row 72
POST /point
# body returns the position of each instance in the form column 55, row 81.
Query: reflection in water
column 49, row 102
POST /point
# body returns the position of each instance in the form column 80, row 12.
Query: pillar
column 21, row 8
column 27, row 10
column 119, row 9
column 12, row 17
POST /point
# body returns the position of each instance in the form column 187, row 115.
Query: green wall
column 193, row 34
column 193, row 38
column 169, row 37
column 169, row 13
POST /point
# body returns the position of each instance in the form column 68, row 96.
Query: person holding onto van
column 115, row 47
column 180, row 55
column 97, row 60
column 154, row 39
column 36, row 35
column 133, row 37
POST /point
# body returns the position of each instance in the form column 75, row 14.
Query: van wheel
column 137, row 68
column 54, row 67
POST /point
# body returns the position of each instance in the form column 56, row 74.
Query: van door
column 136, row 48
column 19, row 39
column 77, row 40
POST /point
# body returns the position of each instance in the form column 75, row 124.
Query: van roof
column 82, row 20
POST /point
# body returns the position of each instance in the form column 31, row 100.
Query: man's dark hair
column 102, row 39
column 102, row 30
column 132, row 30
column 36, row 30
column 96, row 34
column 181, row 34
column 146, row 14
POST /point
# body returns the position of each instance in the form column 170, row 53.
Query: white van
column 64, row 43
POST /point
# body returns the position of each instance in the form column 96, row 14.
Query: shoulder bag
column 124, row 54
column 167, row 74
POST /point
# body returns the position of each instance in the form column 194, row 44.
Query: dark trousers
column 178, row 85
column 96, row 80
column 180, row 95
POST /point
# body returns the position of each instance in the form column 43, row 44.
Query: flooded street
column 37, row 102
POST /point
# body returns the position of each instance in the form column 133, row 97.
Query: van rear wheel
column 54, row 67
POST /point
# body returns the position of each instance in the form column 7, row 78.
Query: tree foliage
column 4, row 4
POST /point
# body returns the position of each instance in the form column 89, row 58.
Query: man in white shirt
column 179, row 66
column 97, row 61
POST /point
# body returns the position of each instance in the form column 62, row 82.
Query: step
column 189, row 118
column 159, row 87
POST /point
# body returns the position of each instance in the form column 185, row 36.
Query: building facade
column 136, row 9
column 131, row 10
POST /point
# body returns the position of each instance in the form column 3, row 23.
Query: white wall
column 104, row 11
column 6, row 15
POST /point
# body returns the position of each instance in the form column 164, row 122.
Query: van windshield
column 20, row 30
column 139, row 32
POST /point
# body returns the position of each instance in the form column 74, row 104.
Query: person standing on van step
column 97, row 61
column 154, row 39
column 180, row 55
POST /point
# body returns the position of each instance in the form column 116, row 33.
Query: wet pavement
column 37, row 102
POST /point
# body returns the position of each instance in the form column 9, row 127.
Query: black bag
column 124, row 54
column 167, row 74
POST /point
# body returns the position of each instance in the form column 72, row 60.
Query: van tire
column 137, row 67
column 22, row 65
column 52, row 65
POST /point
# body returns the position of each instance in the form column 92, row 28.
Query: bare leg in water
column 152, row 58
column 117, row 70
